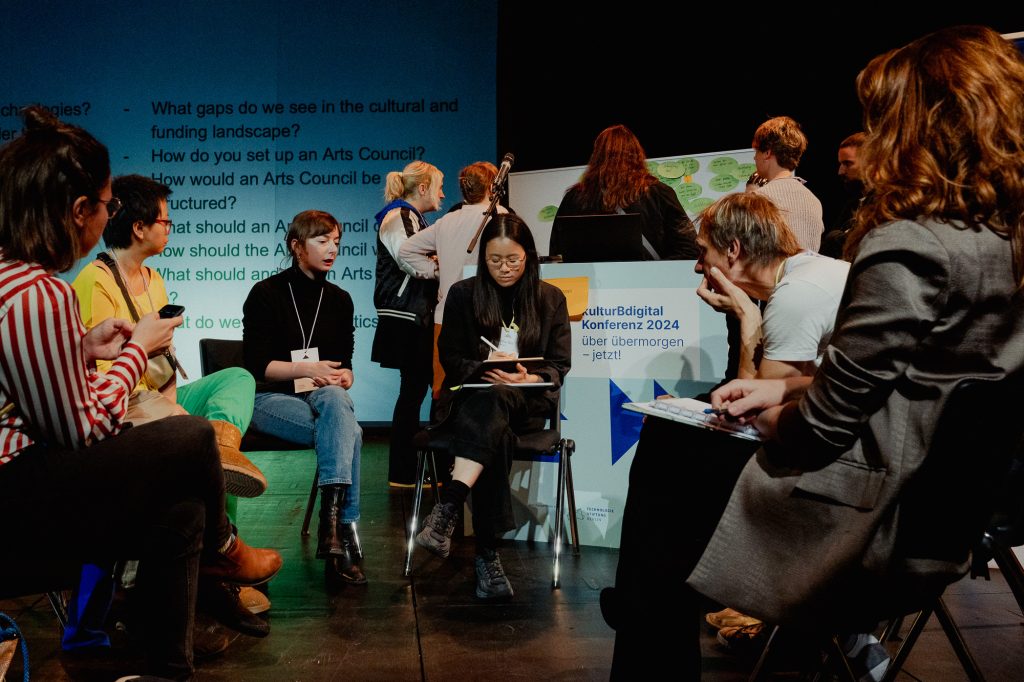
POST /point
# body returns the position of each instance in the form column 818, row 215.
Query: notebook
column 505, row 365
column 539, row 384
column 599, row 238
column 692, row 412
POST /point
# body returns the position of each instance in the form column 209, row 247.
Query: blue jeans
column 325, row 420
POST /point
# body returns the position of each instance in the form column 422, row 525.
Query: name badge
column 305, row 384
column 509, row 341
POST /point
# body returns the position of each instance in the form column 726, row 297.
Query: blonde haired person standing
column 405, row 306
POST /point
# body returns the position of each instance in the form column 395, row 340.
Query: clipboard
column 694, row 413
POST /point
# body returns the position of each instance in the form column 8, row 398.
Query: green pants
column 226, row 395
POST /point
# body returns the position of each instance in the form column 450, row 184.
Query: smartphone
column 171, row 310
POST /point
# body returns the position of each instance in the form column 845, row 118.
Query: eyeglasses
column 168, row 224
column 113, row 206
column 512, row 262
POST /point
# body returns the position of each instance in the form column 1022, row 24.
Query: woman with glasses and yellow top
column 508, row 308
column 138, row 231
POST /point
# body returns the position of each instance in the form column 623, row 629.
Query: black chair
column 545, row 443
column 1005, row 531
column 218, row 354
column 958, row 506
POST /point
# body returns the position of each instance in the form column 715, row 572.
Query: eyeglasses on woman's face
column 113, row 205
column 166, row 222
column 512, row 262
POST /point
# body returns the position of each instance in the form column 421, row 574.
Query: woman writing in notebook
column 505, row 306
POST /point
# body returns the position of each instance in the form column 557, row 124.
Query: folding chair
column 543, row 444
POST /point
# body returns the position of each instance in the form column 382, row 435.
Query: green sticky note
column 547, row 214
column 723, row 183
column 723, row 165
column 689, row 190
column 672, row 169
column 743, row 171
column 695, row 206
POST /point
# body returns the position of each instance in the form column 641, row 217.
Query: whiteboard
column 698, row 180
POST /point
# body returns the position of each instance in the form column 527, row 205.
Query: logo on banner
column 624, row 425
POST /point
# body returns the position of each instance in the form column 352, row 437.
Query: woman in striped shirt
column 85, row 486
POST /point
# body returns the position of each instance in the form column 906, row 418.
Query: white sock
column 227, row 544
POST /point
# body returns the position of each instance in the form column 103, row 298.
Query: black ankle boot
column 350, row 538
column 328, row 540
column 346, row 568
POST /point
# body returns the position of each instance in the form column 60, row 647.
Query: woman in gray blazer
column 812, row 531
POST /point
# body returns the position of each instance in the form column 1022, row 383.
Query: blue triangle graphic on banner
column 659, row 389
column 624, row 425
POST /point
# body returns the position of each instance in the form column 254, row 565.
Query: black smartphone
column 171, row 310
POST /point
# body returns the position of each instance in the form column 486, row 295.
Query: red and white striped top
column 43, row 372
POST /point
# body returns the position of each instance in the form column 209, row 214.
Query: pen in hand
column 495, row 348
column 721, row 413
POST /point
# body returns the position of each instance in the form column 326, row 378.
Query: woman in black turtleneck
column 298, row 335
column 508, row 305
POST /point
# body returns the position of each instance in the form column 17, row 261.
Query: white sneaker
column 867, row 657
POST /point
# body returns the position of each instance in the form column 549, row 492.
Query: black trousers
column 679, row 484
column 483, row 426
column 153, row 493
column 405, row 422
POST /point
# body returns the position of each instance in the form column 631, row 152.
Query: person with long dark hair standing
column 507, row 306
column 813, row 529
column 405, row 305
column 82, row 485
column 617, row 180
column 299, row 336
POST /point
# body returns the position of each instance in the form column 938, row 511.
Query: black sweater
column 270, row 330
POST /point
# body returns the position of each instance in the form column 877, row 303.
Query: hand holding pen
column 497, row 376
column 720, row 412
column 496, row 353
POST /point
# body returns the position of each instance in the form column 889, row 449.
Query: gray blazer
column 811, row 529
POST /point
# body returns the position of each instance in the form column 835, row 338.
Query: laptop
column 598, row 238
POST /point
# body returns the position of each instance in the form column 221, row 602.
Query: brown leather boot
column 241, row 477
column 241, row 564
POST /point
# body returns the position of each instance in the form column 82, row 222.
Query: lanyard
column 145, row 282
column 305, row 345
column 512, row 324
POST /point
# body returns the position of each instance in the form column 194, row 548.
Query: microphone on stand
column 499, row 179
column 496, row 192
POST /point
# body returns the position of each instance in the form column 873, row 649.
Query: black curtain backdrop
column 689, row 86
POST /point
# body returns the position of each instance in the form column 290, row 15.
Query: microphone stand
column 496, row 194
